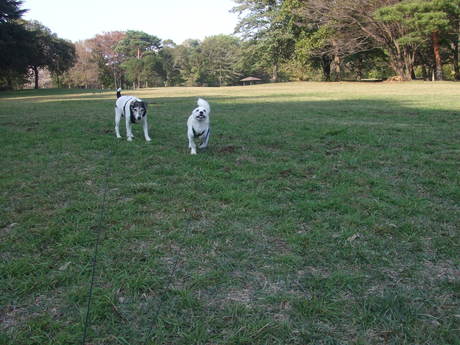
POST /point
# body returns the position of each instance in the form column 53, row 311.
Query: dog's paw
column 203, row 146
column 193, row 152
column 130, row 139
column 148, row 139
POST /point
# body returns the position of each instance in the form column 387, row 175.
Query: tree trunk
column 326, row 66
column 402, row 61
column 424, row 72
column 395, row 63
column 437, row 55
column 117, row 85
column 9, row 82
column 409, row 58
column 455, row 60
column 35, row 69
column 337, row 68
column 275, row 73
column 359, row 69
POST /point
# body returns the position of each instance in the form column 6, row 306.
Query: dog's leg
column 129, row 132
column 204, row 144
column 191, row 142
column 146, row 129
column 117, row 122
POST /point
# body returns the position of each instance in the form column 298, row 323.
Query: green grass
column 320, row 214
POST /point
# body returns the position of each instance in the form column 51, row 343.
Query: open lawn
column 320, row 214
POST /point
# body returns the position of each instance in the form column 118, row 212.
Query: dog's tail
column 202, row 103
column 119, row 92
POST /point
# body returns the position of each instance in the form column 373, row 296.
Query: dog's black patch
column 131, row 111
column 142, row 105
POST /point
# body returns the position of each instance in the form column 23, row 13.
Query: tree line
column 355, row 39
column 28, row 46
column 275, row 40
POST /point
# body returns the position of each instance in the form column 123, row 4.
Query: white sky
column 167, row 19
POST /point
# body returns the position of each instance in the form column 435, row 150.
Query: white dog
column 198, row 126
column 133, row 110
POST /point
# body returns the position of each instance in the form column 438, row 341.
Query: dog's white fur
column 134, row 110
column 198, row 126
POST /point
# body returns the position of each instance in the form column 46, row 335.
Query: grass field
column 320, row 214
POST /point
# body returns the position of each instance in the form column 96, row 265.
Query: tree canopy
column 28, row 47
column 275, row 40
column 10, row 10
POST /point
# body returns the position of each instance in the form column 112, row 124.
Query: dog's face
column 200, row 113
column 138, row 110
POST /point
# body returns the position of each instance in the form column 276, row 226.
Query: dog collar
column 195, row 134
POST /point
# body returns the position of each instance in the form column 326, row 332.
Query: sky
column 167, row 19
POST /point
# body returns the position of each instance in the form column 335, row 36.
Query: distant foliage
column 28, row 47
column 276, row 41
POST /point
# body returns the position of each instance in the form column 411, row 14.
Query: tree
column 265, row 24
column 439, row 19
column 189, row 61
column 137, row 44
column 355, row 28
column 108, row 58
column 134, row 47
column 167, row 67
column 251, row 61
column 14, row 45
column 15, row 50
column 322, row 42
column 133, row 69
column 63, row 57
column 10, row 11
column 220, row 55
column 420, row 21
column 48, row 51
column 313, row 47
column 452, row 8
column 41, row 48
column 85, row 71
column 426, row 20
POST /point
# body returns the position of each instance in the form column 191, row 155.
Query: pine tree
column 426, row 20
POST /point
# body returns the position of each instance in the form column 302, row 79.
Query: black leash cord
column 96, row 250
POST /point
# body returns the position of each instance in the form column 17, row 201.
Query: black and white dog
column 133, row 110
column 198, row 126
